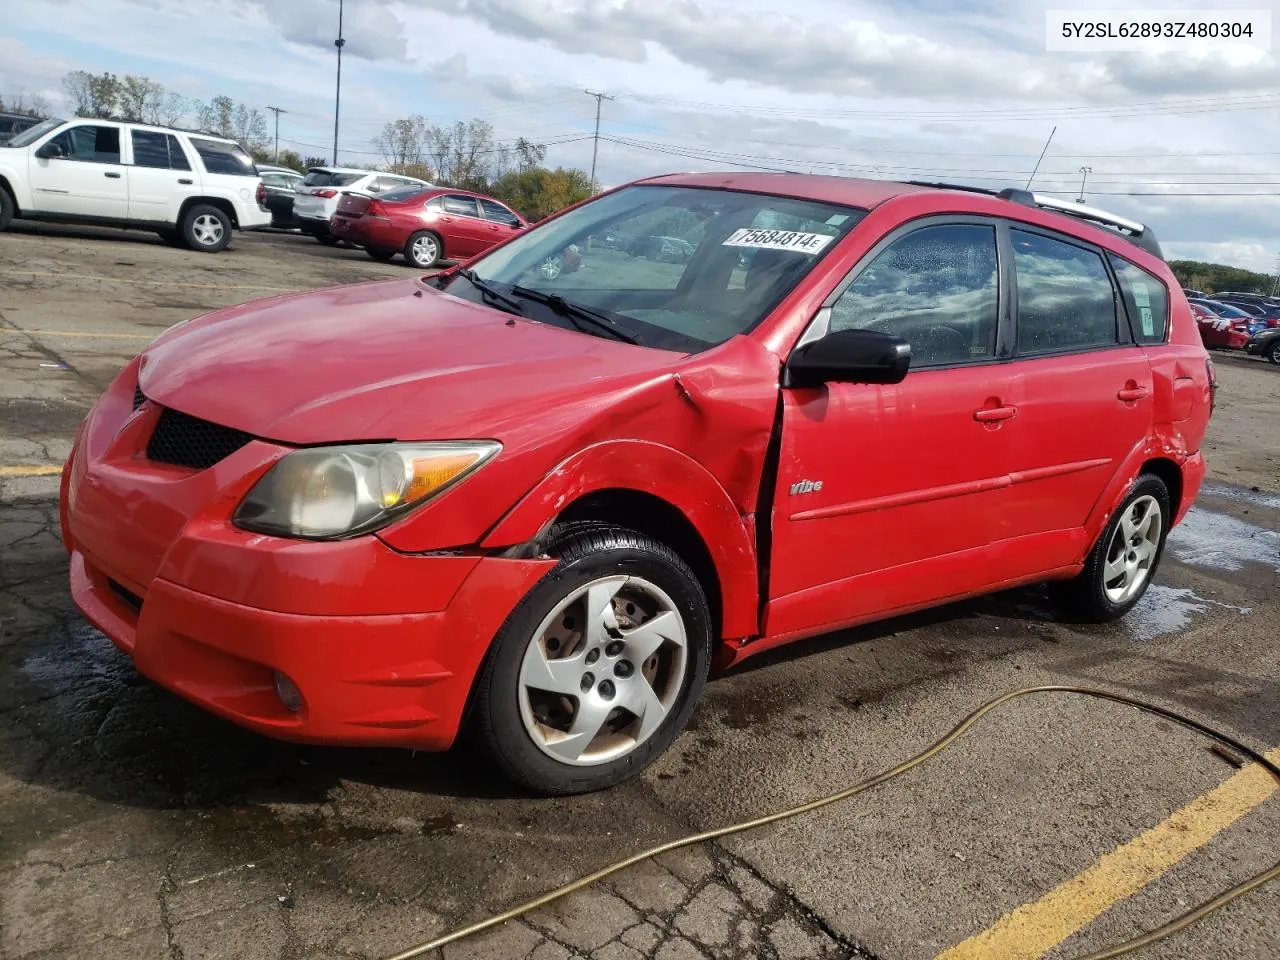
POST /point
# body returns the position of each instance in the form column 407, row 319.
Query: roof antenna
column 1042, row 153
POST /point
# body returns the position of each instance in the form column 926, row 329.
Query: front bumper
column 384, row 646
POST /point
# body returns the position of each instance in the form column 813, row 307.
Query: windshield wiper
column 491, row 295
column 575, row 313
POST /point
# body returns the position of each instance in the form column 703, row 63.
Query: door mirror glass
column 849, row 356
column 51, row 150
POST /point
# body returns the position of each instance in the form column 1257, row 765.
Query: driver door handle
column 1131, row 391
column 994, row 414
column 113, row 176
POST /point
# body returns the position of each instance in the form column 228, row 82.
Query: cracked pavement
column 135, row 826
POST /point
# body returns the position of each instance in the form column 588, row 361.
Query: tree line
column 465, row 154
column 1218, row 278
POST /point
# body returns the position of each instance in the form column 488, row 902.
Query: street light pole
column 1084, row 176
column 337, row 97
column 277, row 111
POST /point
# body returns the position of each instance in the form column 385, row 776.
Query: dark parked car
column 1265, row 344
column 281, row 183
column 12, row 124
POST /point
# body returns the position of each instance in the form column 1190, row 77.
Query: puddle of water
column 1165, row 610
column 1222, row 542
column 1268, row 500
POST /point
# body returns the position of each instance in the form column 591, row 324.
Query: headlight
column 327, row 493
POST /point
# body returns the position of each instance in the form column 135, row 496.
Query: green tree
column 1210, row 277
column 92, row 95
column 402, row 142
column 540, row 192
column 308, row 162
column 236, row 121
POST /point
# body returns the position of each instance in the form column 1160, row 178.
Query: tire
column 206, row 229
column 7, row 208
column 424, row 249
column 328, row 239
column 171, row 238
column 1088, row 598
column 527, row 731
column 381, row 254
column 1273, row 352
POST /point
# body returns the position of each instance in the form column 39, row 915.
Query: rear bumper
column 373, row 680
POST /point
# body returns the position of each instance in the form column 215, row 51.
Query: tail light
column 260, row 195
column 326, row 194
column 376, row 209
column 1273, row 322
column 1213, row 382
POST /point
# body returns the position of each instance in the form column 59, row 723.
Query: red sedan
column 1216, row 331
column 427, row 226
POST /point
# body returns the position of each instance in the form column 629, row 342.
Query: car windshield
column 32, row 134
column 677, row 268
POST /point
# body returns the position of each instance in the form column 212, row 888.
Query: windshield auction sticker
column 779, row 240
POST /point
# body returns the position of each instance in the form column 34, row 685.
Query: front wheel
column 1122, row 562
column 381, row 254
column 6, row 208
column 1273, row 352
column 206, row 229
column 599, row 667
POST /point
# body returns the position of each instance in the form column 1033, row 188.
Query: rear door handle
column 1131, row 392
column 113, row 176
column 994, row 414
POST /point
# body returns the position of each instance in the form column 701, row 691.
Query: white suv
column 318, row 194
column 191, row 188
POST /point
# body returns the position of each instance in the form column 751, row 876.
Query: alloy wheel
column 425, row 251
column 1133, row 550
column 602, row 671
column 207, row 230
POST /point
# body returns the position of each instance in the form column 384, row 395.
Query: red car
column 427, row 226
column 1216, row 331
column 547, row 507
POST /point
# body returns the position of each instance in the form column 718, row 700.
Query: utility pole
column 337, row 97
column 1275, row 281
column 277, row 111
column 595, row 146
column 1084, row 176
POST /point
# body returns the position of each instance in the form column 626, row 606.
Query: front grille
column 187, row 441
column 139, row 398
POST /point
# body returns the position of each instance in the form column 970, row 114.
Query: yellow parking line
column 160, row 283
column 32, row 470
column 76, row 333
column 1035, row 928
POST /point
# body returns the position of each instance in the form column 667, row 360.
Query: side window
column 150, row 149
column 462, row 206
column 936, row 287
column 177, row 156
column 436, row 204
column 1146, row 299
column 1065, row 297
column 499, row 213
column 90, row 144
column 222, row 157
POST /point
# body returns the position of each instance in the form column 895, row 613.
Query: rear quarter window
column 326, row 178
column 228, row 158
column 1146, row 299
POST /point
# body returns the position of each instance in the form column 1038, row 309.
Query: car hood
column 394, row 360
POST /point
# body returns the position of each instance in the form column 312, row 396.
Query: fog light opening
column 288, row 692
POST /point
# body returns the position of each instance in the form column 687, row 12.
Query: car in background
column 1256, row 306
column 12, row 124
column 1189, row 293
column 425, row 225
column 191, row 187
column 1219, row 332
column 281, row 184
column 316, row 198
column 1265, row 343
column 1228, row 311
column 662, row 249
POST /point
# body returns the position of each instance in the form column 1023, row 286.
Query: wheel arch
column 663, row 493
column 7, row 187
column 223, row 204
column 1164, row 456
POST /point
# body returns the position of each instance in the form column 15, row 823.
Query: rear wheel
column 1122, row 562
column 328, row 239
column 381, row 254
column 206, row 228
column 423, row 249
column 1273, row 352
column 172, row 238
column 599, row 667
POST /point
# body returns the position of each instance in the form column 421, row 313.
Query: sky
column 1186, row 141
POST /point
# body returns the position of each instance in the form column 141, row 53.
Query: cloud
column 370, row 29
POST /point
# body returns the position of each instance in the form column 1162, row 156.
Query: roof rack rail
column 1136, row 233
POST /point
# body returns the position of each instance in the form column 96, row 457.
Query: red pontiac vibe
column 427, row 226
column 543, row 508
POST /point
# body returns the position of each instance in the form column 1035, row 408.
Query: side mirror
column 50, row 150
column 849, row 356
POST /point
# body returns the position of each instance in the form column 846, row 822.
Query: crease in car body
column 729, row 482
